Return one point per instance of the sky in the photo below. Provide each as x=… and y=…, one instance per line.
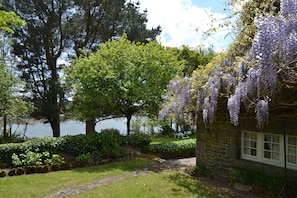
x=183, y=22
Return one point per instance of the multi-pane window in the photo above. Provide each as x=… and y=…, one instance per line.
x=269, y=148
x=272, y=147
x=292, y=150
x=250, y=144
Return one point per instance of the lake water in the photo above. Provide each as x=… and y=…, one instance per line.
x=71, y=127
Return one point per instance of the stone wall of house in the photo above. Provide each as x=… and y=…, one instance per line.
x=219, y=144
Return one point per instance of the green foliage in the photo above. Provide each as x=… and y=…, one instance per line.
x=194, y=58
x=166, y=130
x=173, y=147
x=108, y=144
x=139, y=140
x=121, y=79
x=85, y=157
x=30, y=158
x=81, y=144
x=9, y=20
x=111, y=145
x=42, y=144
x=114, y=131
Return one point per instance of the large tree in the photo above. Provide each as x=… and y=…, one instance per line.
x=64, y=26
x=97, y=22
x=39, y=44
x=122, y=78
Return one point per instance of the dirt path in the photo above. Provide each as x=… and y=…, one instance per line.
x=157, y=167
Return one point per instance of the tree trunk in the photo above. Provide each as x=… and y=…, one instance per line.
x=55, y=124
x=5, y=135
x=128, y=123
x=90, y=126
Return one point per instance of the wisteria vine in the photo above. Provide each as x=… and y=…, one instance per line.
x=269, y=65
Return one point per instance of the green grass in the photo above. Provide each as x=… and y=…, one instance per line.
x=156, y=185
x=40, y=185
x=158, y=140
x=171, y=183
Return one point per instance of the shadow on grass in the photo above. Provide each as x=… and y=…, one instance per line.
x=196, y=187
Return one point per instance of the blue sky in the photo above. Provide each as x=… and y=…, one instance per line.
x=183, y=22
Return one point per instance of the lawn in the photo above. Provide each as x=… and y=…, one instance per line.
x=155, y=185
x=40, y=185
x=171, y=183
x=158, y=140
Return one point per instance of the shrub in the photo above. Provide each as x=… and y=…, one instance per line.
x=114, y=131
x=81, y=144
x=111, y=145
x=50, y=145
x=30, y=158
x=173, y=147
x=85, y=157
x=139, y=140
x=166, y=130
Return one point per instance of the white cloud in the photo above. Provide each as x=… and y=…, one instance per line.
x=183, y=23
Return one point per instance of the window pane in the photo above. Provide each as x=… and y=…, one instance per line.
x=275, y=156
x=292, y=150
x=275, y=139
x=254, y=152
x=275, y=147
x=292, y=140
x=267, y=154
x=249, y=144
x=272, y=147
x=292, y=159
x=267, y=138
x=253, y=144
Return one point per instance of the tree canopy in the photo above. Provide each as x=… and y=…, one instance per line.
x=122, y=78
x=60, y=28
x=9, y=20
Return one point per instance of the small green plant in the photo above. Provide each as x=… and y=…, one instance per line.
x=85, y=157
x=30, y=158
x=57, y=159
x=16, y=160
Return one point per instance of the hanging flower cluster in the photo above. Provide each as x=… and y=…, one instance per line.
x=269, y=65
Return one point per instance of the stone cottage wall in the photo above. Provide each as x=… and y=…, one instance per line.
x=217, y=145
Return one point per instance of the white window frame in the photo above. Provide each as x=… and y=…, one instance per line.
x=293, y=165
x=260, y=149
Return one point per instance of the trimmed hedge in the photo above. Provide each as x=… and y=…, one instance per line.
x=107, y=144
x=175, y=148
x=42, y=144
